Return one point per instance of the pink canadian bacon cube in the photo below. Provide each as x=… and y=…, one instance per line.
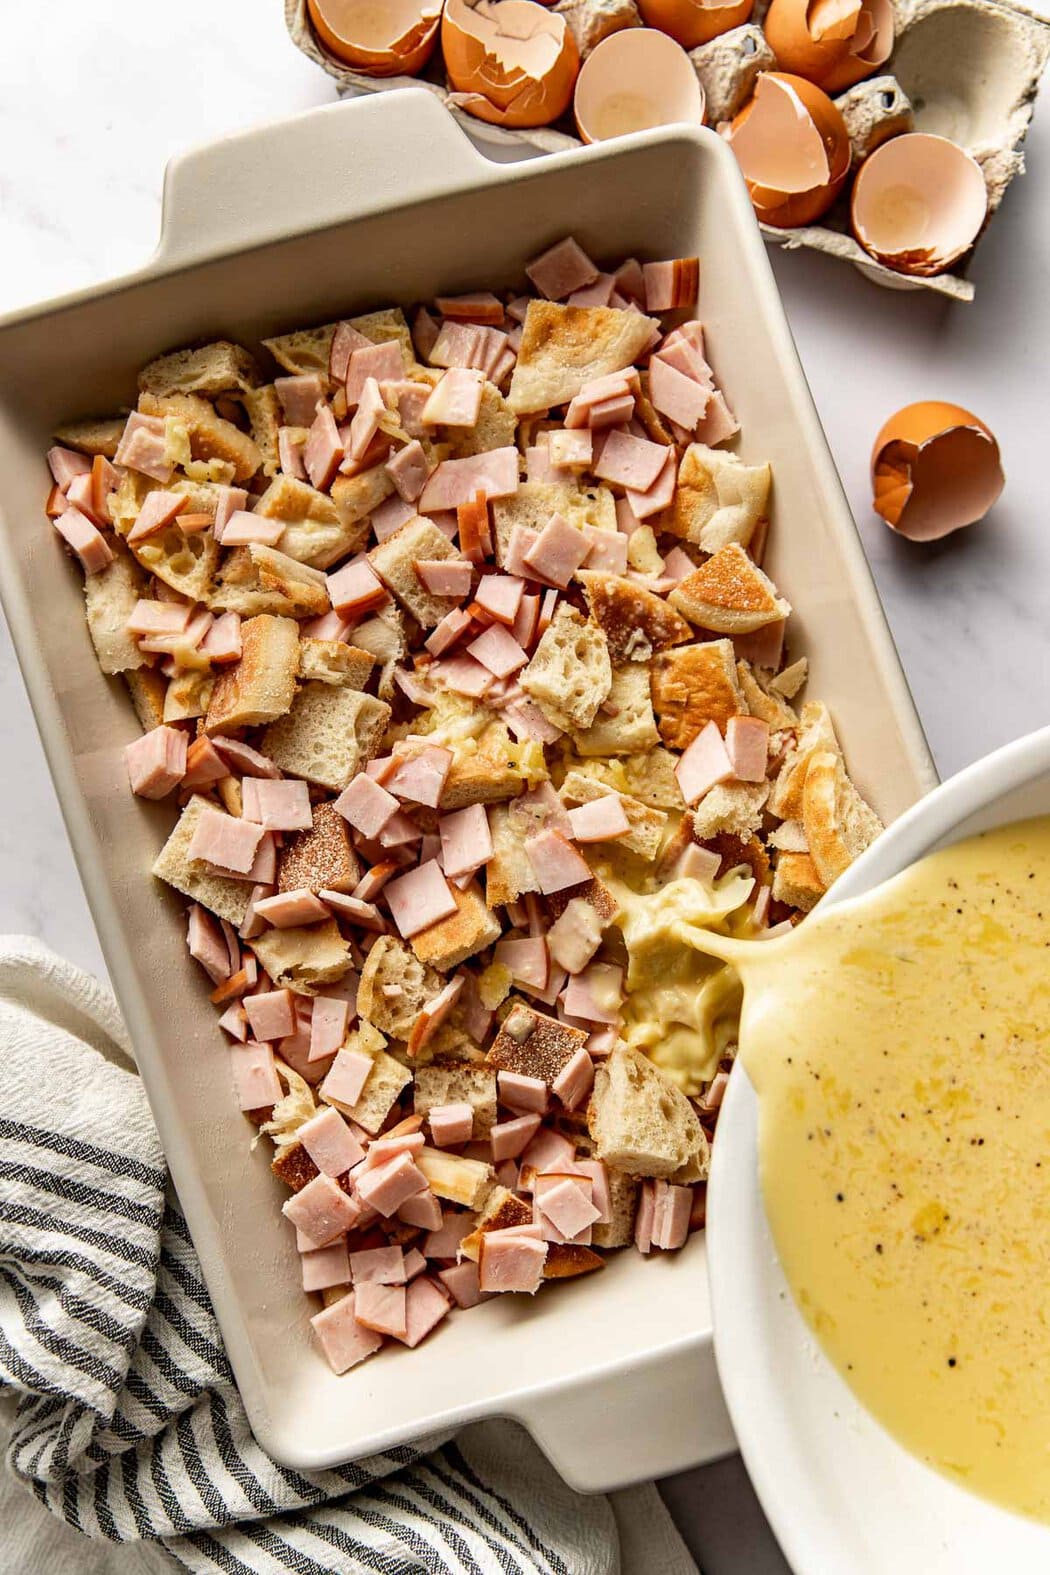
x=519, y=1092
x=423, y=1210
x=419, y=898
x=574, y=1082
x=156, y=762
x=327, y=1026
x=444, y=1242
x=426, y=1305
x=461, y=1282
x=698, y=863
x=568, y=1206
x=600, y=820
x=255, y=1076
x=500, y=595
x=557, y=552
x=510, y=1261
x=86, y=540
x=561, y=269
x=497, y=650
x=381, y=1307
x=703, y=764
x=676, y=395
x=747, y=745
x=289, y=909
x=356, y=589
x=387, y=1187
x=270, y=1014
x=466, y=840
x=415, y=1263
x=421, y=777
x=330, y=1143
x=347, y=1077
x=345, y=1342
x=511, y=1138
x=321, y=1209
x=671, y=1209
x=366, y=805
x=383, y=362
x=556, y=862
x=325, y=1266
x=225, y=840
x=378, y=1266
x=451, y=1125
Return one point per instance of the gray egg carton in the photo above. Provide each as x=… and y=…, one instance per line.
x=964, y=69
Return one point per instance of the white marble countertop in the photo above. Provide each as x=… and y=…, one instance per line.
x=92, y=104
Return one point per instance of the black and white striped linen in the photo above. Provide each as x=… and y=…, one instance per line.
x=125, y=1421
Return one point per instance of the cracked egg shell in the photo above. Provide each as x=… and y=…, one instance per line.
x=691, y=22
x=509, y=62
x=833, y=43
x=635, y=79
x=381, y=38
x=793, y=148
x=935, y=468
x=919, y=202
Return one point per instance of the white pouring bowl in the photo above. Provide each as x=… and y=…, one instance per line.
x=842, y=1496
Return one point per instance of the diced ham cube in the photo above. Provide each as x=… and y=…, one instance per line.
x=500, y=595
x=703, y=764
x=66, y=465
x=355, y=909
x=390, y=515
x=570, y=450
x=421, y=777
x=244, y=758
x=270, y=1014
x=480, y=306
x=574, y=1082
x=378, y=1266
x=444, y=576
x=747, y=745
x=669, y=285
x=243, y=528
x=597, y=294
x=527, y=959
x=631, y=462
x=660, y=494
x=255, y=1076
x=345, y=341
x=86, y=540
x=719, y=422
x=356, y=589
x=595, y=994
x=452, y=626
x=461, y=1282
x=698, y=863
x=671, y=1209
x=568, y=1206
x=456, y=400
x=600, y=1195
x=327, y=1026
x=420, y=898
x=143, y=447
x=509, y=1261
x=538, y=463
x=345, y=1342
x=321, y=1209
x=300, y=397
x=521, y=1093
x=526, y=720
x=408, y=470
x=366, y=805
x=159, y=508
x=561, y=269
x=444, y=1243
x=323, y=451
x=498, y=651
x=225, y=841
x=607, y=550
x=399, y=831
x=381, y=1307
x=330, y=1143
x=676, y=395
x=456, y=481
x=510, y=1138
x=601, y=820
x=451, y=1125
x=422, y=1210
x=207, y=946
x=643, y=1219
x=575, y=936
x=325, y=1267
x=289, y=909
x=222, y=643
x=383, y=362
x=557, y=552
x=388, y=1186
x=556, y=862
x=466, y=840
x=427, y=1304
x=283, y=806
x=347, y=1077
x=156, y=762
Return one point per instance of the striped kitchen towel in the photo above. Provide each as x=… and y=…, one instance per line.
x=120, y=1410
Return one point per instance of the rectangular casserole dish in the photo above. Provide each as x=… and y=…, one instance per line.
x=349, y=207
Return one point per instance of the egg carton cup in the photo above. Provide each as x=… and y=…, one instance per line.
x=968, y=70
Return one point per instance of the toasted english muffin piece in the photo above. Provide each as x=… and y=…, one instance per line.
x=258, y=579
x=570, y=674
x=817, y=734
x=729, y=594
x=693, y=685
x=797, y=882
x=328, y=735
x=789, y=837
x=304, y=958
x=304, y=350
x=469, y=930
x=188, y=696
x=395, y=987
x=634, y=621
x=563, y=347
x=535, y=502
x=625, y=723
x=99, y=436
x=214, y=368
x=321, y=857
x=356, y=496
x=647, y=825
x=649, y=777
x=493, y=772
x=767, y=705
x=265, y=418
x=454, y=1082
x=185, y=560
x=147, y=687
x=533, y=1044
x=718, y=499
x=334, y=662
x=314, y=530
x=837, y=822
x=259, y=687
x=734, y=808
x=623, y=1206
x=221, y=895
x=642, y=1123
x=501, y=1211
x=109, y=601
x=509, y=873
x=394, y=561
x=210, y=436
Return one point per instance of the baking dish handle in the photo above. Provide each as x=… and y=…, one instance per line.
x=309, y=172
x=648, y=1420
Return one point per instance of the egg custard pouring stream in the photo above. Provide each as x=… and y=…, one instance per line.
x=900, y=1048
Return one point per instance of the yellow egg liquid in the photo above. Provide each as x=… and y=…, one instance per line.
x=900, y=1047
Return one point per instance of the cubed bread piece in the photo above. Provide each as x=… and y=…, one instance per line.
x=719, y=499
x=394, y=987
x=641, y=1122
x=380, y=1094
x=729, y=594
x=188, y=696
x=564, y=347
x=767, y=705
x=817, y=735
x=469, y=930
x=356, y=496
x=304, y=350
x=304, y=958
x=259, y=579
x=147, y=688
x=648, y=777
x=570, y=673
x=265, y=415
x=509, y=873
x=566, y=1260
x=501, y=1211
x=837, y=822
x=790, y=679
x=457, y=1082
x=395, y=559
x=315, y=531
x=225, y=897
x=184, y=560
x=634, y=621
x=733, y=807
x=214, y=368
x=293, y=1165
x=211, y=437
x=110, y=598
x=388, y=323
x=259, y=687
x=495, y=770
x=99, y=436
x=536, y=502
x=456, y=1178
x=797, y=882
x=328, y=736
x=625, y=724
x=694, y=685
x=496, y=427
x=623, y=1205
x=320, y=858
x=334, y=662
x=647, y=825
x=533, y=1044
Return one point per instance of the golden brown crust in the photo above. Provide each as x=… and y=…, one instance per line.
x=567, y=1259
x=534, y=1045
x=563, y=347
x=261, y=686
x=634, y=621
x=210, y=436
x=729, y=594
x=451, y=941
x=294, y=1167
x=320, y=859
x=693, y=685
x=593, y=892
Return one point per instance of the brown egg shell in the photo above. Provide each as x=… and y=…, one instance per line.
x=918, y=203
x=690, y=23
x=803, y=205
x=487, y=68
x=414, y=26
x=935, y=468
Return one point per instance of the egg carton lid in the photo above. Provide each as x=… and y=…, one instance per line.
x=971, y=68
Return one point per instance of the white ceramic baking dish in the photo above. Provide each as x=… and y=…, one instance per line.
x=349, y=207
x=840, y=1492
